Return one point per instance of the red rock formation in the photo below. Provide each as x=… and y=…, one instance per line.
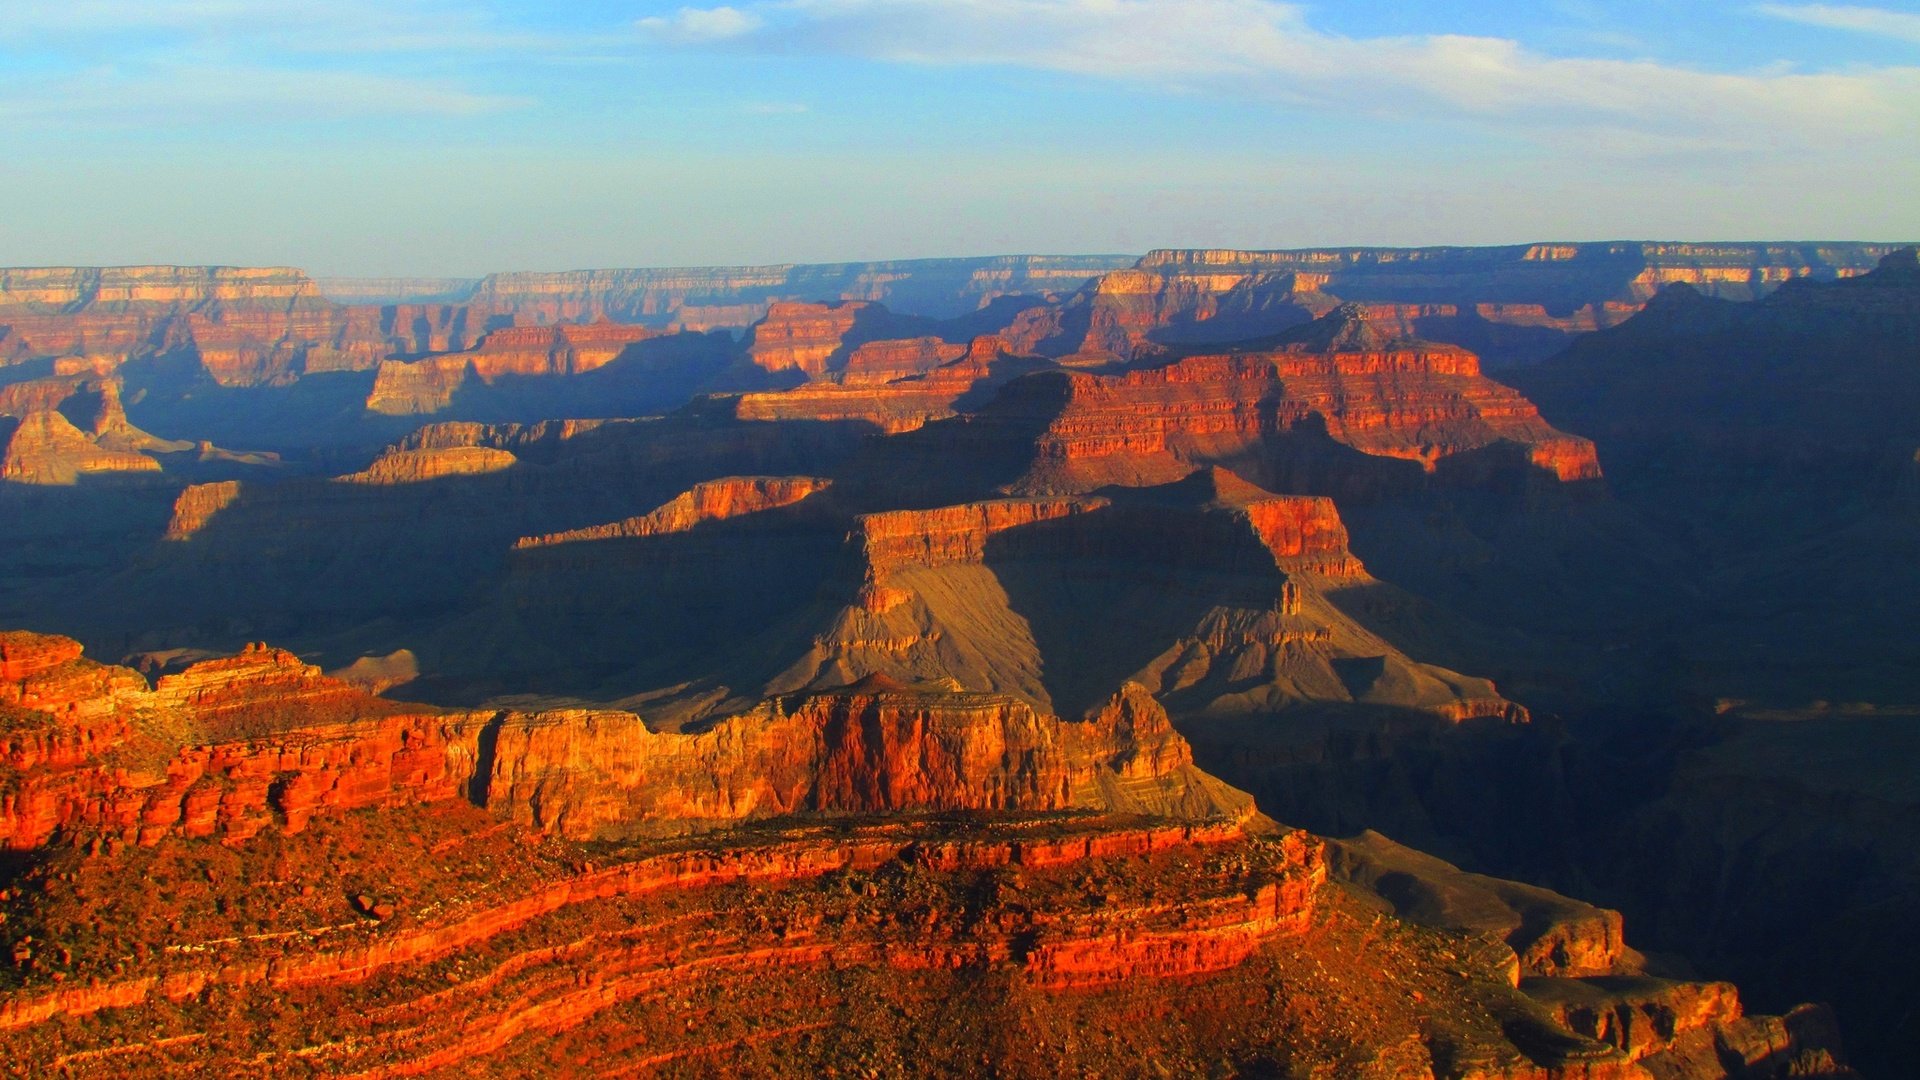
x=45, y=448
x=903, y=404
x=517, y=438
x=409, y=387
x=887, y=929
x=898, y=539
x=265, y=738
x=1220, y=295
x=441, y=925
x=715, y=500
x=806, y=337
x=876, y=363
x=197, y=504
x=1388, y=399
x=417, y=466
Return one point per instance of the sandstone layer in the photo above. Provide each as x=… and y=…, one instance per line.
x=339, y=885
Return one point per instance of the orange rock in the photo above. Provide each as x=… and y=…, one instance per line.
x=715, y=500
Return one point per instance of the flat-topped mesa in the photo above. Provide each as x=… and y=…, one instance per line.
x=898, y=539
x=521, y=439
x=411, y=387
x=566, y=349
x=875, y=363
x=68, y=289
x=47, y=674
x=418, y=466
x=714, y=500
x=24, y=655
x=1339, y=381
x=809, y=337
x=914, y=397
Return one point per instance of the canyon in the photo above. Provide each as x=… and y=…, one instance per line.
x=1212, y=657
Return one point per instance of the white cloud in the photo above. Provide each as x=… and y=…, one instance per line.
x=1866, y=20
x=118, y=63
x=1267, y=50
x=690, y=25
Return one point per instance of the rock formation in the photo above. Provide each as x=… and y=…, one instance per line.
x=1519, y=304
x=1341, y=407
x=43, y=447
x=429, y=385
x=715, y=500
x=243, y=743
x=406, y=880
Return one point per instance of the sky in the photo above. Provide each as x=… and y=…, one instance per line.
x=457, y=137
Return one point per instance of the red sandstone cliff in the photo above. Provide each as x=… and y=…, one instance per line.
x=246, y=742
x=1343, y=380
x=448, y=942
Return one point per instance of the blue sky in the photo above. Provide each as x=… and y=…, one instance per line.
x=431, y=137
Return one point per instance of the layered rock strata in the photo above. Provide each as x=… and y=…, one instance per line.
x=715, y=500
x=420, y=934
x=230, y=747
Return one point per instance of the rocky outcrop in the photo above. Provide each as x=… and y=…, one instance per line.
x=235, y=745
x=902, y=539
x=488, y=949
x=411, y=387
x=62, y=426
x=1551, y=936
x=1222, y=597
x=428, y=385
x=716, y=500
x=197, y=504
x=1521, y=302
x=877, y=363
x=906, y=403
x=519, y=439
x=806, y=337
x=1341, y=408
x=44, y=447
x=417, y=466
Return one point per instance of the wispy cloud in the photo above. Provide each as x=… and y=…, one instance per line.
x=1269, y=51
x=692, y=25
x=116, y=63
x=1898, y=25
